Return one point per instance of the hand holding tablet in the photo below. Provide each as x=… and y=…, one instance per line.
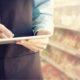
x=13, y=40
x=5, y=33
x=6, y=36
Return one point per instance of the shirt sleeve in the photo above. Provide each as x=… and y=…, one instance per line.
x=42, y=16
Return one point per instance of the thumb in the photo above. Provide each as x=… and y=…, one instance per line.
x=6, y=31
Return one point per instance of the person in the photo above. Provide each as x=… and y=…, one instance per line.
x=21, y=60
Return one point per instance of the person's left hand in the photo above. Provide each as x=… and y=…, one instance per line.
x=36, y=45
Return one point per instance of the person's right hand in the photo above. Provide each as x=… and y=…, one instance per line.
x=5, y=33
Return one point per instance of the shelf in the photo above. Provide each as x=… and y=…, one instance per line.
x=66, y=4
x=70, y=51
x=70, y=75
x=54, y=65
x=50, y=72
x=76, y=29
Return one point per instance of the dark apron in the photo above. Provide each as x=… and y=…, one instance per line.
x=18, y=62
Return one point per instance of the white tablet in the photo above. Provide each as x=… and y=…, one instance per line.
x=13, y=40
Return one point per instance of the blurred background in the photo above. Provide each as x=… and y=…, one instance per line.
x=61, y=59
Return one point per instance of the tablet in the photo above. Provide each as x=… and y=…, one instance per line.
x=13, y=40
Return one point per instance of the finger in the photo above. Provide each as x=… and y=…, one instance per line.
x=32, y=43
x=41, y=46
x=27, y=45
x=33, y=47
x=2, y=36
x=24, y=43
x=6, y=31
x=38, y=41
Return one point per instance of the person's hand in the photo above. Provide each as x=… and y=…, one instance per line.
x=4, y=32
x=36, y=45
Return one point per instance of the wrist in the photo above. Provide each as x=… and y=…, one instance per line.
x=41, y=32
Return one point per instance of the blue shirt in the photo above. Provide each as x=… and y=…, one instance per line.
x=42, y=16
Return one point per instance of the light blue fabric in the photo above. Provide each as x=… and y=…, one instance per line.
x=42, y=16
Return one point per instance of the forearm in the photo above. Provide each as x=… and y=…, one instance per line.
x=42, y=32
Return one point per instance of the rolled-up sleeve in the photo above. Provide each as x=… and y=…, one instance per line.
x=43, y=16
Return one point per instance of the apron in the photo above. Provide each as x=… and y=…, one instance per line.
x=16, y=61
